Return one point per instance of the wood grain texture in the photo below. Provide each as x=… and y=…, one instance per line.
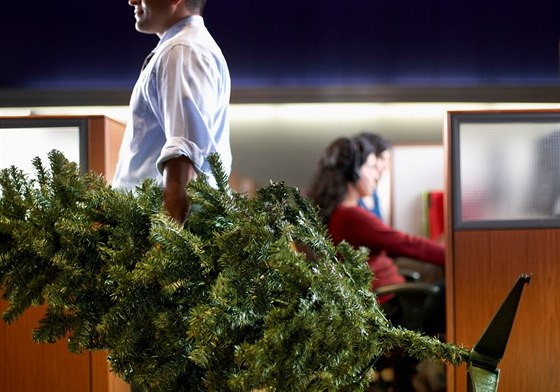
x=28, y=366
x=486, y=265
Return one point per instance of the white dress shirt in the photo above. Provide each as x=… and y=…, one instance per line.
x=179, y=107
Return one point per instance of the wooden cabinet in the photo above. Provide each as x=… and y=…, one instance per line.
x=486, y=265
x=25, y=365
x=486, y=255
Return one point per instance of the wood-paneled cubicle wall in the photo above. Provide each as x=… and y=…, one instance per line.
x=503, y=220
x=25, y=365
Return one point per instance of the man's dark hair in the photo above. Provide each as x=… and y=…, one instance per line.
x=379, y=143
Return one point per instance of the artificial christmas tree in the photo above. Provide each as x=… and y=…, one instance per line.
x=225, y=303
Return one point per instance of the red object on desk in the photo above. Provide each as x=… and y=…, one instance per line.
x=435, y=214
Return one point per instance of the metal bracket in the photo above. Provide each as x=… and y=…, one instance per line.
x=482, y=368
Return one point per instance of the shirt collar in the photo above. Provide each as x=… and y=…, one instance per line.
x=192, y=20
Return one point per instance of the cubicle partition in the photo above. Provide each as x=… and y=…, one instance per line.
x=503, y=220
x=93, y=142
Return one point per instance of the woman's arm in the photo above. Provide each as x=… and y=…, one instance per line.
x=368, y=230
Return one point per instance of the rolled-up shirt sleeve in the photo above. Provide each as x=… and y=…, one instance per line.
x=189, y=86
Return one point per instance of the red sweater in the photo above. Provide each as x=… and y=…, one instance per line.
x=362, y=228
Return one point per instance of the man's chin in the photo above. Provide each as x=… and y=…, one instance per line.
x=141, y=28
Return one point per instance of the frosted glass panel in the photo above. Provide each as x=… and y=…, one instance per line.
x=18, y=146
x=509, y=170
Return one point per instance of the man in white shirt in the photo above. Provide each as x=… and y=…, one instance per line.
x=179, y=108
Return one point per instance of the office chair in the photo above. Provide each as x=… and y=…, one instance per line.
x=413, y=307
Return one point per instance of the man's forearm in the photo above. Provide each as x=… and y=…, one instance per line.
x=177, y=172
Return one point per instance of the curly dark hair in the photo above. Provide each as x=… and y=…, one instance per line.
x=338, y=167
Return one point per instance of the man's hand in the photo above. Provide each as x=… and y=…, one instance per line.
x=177, y=172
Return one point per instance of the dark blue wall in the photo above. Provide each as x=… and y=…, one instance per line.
x=63, y=44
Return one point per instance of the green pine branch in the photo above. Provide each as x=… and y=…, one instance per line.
x=252, y=293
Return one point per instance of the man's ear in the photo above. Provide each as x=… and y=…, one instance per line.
x=181, y=7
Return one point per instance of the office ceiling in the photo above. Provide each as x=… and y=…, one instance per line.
x=71, y=45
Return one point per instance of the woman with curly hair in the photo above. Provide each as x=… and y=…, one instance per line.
x=347, y=171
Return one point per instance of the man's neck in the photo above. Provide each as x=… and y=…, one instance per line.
x=176, y=17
